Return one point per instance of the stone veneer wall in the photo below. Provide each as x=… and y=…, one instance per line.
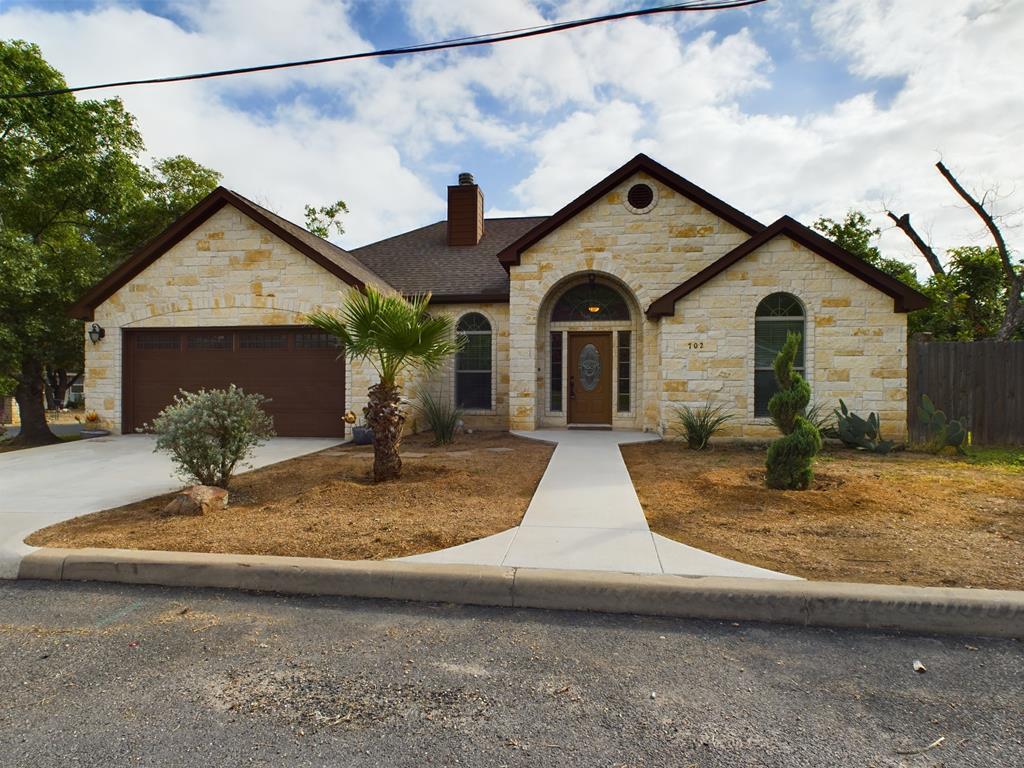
x=650, y=253
x=855, y=344
x=229, y=271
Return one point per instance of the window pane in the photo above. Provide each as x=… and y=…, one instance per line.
x=316, y=340
x=473, y=390
x=779, y=305
x=168, y=341
x=476, y=354
x=764, y=387
x=209, y=341
x=556, y=371
x=474, y=321
x=590, y=302
x=262, y=340
x=770, y=335
x=624, y=369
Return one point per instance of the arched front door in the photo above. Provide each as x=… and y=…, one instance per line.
x=590, y=377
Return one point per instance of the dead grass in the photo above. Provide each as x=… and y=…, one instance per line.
x=324, y=505
x=901, y=519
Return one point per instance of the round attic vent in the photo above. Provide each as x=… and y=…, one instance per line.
x=640, y=196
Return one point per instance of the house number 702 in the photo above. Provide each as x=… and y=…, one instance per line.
x=696, y=345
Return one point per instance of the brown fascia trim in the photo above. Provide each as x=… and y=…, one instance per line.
x=905, y=298
x=468, y=298
x=510, y=255
x=83, y=308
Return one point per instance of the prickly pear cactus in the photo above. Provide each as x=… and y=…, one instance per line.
x=942, y=432
x=857, y=432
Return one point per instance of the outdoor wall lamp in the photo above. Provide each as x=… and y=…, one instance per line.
x=96, y=333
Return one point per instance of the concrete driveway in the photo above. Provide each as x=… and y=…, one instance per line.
x=42, y=486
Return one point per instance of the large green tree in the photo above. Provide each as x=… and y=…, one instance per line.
x=74, y=201
x=968, y=290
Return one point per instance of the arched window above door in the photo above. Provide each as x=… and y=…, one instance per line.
x=592, y=302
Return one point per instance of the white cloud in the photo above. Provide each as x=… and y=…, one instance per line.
x=571, y=107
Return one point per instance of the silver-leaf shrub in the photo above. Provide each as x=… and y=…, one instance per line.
x=210, y=432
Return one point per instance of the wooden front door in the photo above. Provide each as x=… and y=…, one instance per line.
x=590, y=378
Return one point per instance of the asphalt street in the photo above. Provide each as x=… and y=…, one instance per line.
x=109, y=675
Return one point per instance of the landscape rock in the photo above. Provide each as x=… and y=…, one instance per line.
x=196, y=500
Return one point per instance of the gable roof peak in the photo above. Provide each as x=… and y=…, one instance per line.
x=326, y=254
x=905, y=298
x=510, y=256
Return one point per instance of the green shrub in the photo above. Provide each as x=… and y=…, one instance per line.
x=794, y=392
x=789, y=458
x=210, y=432
x=698, y=425
x=857, y=432
x=441, y=417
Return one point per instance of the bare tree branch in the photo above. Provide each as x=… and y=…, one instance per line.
x=903, y=222
x=979, y=209
x=1014, y=317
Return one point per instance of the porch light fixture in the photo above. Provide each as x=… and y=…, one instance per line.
x=593, y=307
x=96, y=333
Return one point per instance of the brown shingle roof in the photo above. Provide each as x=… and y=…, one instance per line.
x=421, y=260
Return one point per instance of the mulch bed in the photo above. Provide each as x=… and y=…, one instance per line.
x=906, y=518
x=325, y=505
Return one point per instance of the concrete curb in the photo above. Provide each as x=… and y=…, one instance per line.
x=941, y=610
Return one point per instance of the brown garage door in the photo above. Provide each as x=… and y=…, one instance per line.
x=297, y=368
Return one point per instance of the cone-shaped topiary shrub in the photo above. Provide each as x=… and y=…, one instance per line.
x=789, y=457
x=794, y=392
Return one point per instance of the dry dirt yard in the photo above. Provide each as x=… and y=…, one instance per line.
x=324, y=505
x=906, y=518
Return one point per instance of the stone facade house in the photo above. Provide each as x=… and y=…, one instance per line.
x=643, y=294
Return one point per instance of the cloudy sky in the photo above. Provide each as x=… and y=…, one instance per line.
x=806, y=107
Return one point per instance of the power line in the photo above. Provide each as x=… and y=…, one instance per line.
x=441, y=45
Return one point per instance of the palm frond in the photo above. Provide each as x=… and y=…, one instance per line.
x=391, y=331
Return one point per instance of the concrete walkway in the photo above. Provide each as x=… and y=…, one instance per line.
x=42, y=486
x=585, y=515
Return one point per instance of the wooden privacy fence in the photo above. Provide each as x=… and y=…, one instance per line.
x=980, y=382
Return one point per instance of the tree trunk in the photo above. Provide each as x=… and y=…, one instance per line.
x=903, y=222
x=385, y=418
x=50, y=389
x=1014, y=317
x=64, y=384
x=29, y=394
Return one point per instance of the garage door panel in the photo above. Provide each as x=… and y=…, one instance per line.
x=298, y=370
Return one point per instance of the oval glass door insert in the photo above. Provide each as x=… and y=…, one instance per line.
x=590, y=367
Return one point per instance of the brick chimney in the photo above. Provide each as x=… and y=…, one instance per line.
x=465, y=212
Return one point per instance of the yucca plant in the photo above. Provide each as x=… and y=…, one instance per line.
x=823, y=418
x=394, y=334
x=441, y=417
x=698, y=425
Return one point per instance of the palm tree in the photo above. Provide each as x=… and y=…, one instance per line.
x=393, y=334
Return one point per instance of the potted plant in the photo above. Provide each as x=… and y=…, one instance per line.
x=92, y=425
x=361, y=435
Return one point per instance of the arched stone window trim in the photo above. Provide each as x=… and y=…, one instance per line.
x=474, y=364
x=776, y=315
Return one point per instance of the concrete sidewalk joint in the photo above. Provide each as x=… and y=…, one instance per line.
x=940, y=610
